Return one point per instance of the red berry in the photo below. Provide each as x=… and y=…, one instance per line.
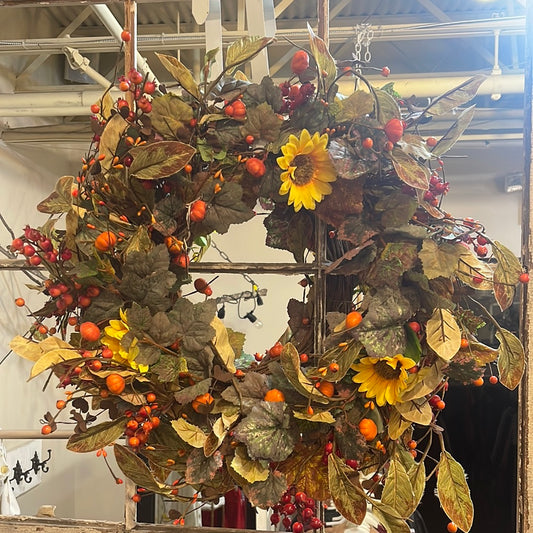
x=95, y=108
x=308, y=513
x=385, y=72
x=300, y=497
x=477, y=280
x=368, y=143
x=125, y=36
x=524, y=277
x=481, y=251
x=249, y=139
x=415, y=326
x=431, y=141
x=297, y=527
x=299, y=64
x=352, y=463
x=440, y=405
x=493, y=380
x=304, y=358
x=274, y=518
x=286, y=522
x=394, y=130
x=289, y=508
x=315, y=523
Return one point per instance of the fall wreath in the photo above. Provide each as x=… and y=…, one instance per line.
x=300, y=423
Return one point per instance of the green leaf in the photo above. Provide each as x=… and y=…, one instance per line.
x=358, y=104
x=60, y=201
x=455, y=97
x=396, y=208
x=188, y=394
x=236, y=340
x=98, y=436
x=454, y=132
x=287, y=230
x=244, y=50
x=114, y=130
x=166, y=213
x=170, y=116
x=262, y=123
x=140, y=241
x=266, y=431
x=247, y=468
x=409, y=171
x=511, y=363
x=323, y=58
x=226, y=208
x=169, y=367
x=344, y=356
x=181, y=74
x=136, y=470
x=506, y=275
x=387, y=107
x=201, y=468
x=191, y=434
x=453, y=492
x=443, y=334
x=398, y=492
x=265, y=494
x=346, y=491
x=193, y=322
x=252, y=389
x=388, y=518
x=290, y=363
x=160, y=159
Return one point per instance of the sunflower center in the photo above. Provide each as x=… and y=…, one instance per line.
x=304, y=169
x=384, y=370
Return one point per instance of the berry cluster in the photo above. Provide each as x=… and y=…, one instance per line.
x=142, y=422
x=36, y=248
x=437, y=186
x=298, y=511
x=295, y=95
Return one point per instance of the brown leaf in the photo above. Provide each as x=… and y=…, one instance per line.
x=324, y=60
x=180, y=73
x=409, y=171
x=305, y=469
x=114, y=129
x=160, y=159
x=506, y=275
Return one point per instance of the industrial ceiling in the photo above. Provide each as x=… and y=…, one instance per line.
x=428, y=45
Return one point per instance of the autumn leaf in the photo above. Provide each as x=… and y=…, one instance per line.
x=397, y=424
x=33, y=351
x=170, y=116
x=398, y=492
x=506, y=274
x=306, y=470
x=160, y=159
x=222, y=344
x=325, y=62
x=97, y=437
x=443, y=334
x=51, y=359
x=417, y=411
x=346, y=491
x=109, y=140
x=511, y=362
x=244, y=50
x=180, y=73
x=358, y=104
x=440, y=259
x=191, y=434
x=417, y=475
x=262, y=123
x=453, y=492
x=247, y=468
x=409, y=171
x=60, y=201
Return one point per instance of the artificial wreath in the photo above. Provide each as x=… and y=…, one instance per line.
x=300, y=424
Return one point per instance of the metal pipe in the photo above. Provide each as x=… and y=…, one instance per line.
x=74, y=103
x=182, y=41
x=115, y=29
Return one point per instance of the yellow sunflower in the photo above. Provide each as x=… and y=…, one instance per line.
x=114, y=333
x=308, y=170
x=383, y=378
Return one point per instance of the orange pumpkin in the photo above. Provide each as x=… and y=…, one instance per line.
x=115, y=383
x=202, y=403
x=105, y=241
x=368, y=429
x=274, y=395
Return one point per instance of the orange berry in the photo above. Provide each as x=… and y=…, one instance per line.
x=188, y=168
x=368, y=429
x=412, y=444
x=493, y=380
x=464, y=343
x=60, y=404
x=333, y=367
x=89, y=331
x=327, y=388
x=353, y=319
x=202, y=403
x=274, y=395
x=134, y=442
x=20, y=302
x=478, y=382
x=150, y=397
x=46, y=429
x=451, y=527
